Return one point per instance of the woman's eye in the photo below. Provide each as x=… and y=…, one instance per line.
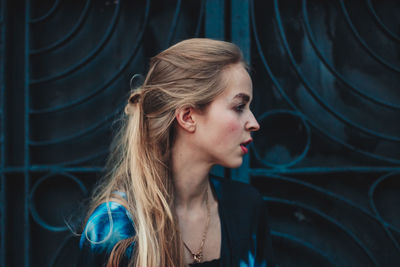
x=240, y=108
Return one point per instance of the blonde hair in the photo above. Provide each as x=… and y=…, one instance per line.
x=186, y=74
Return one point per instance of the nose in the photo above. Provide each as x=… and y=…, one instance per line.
x=252, y=124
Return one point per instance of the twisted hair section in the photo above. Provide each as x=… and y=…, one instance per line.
x=186, y=74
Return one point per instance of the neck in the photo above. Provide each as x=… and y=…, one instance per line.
x=190, y=176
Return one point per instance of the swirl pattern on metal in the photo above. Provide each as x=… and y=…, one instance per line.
x=325, y=77
x=331, y=177
x=79, y=60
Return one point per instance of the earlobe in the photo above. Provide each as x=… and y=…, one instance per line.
x=185, y=118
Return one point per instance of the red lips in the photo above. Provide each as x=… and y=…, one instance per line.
x=243, y=146
x=244, y=149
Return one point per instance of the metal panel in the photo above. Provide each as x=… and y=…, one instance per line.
x=327, y=155
x=325, y=78
x=240, y=33
x=27, y=160
x=79, y=57
x=2, y=177
x=214, y=25
x=215, y=19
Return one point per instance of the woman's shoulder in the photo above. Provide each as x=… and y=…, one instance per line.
x=109, y=223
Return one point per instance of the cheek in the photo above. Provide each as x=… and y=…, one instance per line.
x=233, y=126
x=230, y=129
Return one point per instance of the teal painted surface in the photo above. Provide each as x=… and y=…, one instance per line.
x=325, y=79
x=214, y=23
x=326, y=157
x=240, y=35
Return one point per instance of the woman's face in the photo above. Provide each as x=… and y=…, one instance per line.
x=224, y=129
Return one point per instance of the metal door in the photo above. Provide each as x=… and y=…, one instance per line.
x=325, y=77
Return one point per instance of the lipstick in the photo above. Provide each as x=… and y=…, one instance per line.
x=244, y=149
x=243, y=146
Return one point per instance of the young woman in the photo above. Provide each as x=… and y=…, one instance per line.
x=159, y=206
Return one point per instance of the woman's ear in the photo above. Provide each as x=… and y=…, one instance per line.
x=186, y=118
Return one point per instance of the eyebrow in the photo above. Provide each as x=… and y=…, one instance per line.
x=242, y=96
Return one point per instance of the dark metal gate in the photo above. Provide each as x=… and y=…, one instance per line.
x=325, y=77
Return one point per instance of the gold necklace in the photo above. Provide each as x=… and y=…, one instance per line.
x=199, y=254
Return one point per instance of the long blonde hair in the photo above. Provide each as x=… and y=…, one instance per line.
x=186, y=74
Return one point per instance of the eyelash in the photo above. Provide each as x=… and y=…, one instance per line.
x=240, y=108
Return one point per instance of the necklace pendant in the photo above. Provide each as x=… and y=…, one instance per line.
x=197, y=257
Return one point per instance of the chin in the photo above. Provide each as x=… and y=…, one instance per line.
x=233, y=164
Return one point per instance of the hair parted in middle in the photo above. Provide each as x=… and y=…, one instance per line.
x=188, y=74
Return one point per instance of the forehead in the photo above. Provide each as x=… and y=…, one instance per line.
x=238, y=81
